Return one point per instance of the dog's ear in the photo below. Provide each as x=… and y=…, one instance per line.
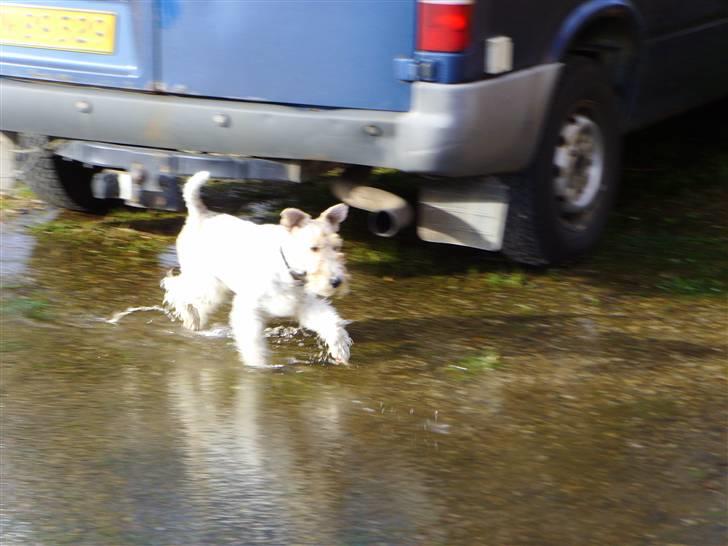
x=335, y=215
x=291, y=218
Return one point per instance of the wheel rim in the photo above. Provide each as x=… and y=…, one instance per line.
x=578, y=168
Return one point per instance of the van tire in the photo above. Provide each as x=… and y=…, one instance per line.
x=57, y=181
x=558, y=206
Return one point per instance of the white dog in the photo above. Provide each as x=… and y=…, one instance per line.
x=284, y=270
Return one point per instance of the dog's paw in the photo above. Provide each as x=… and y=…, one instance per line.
x=187, y=314
x=340, y=349
x=255, y=361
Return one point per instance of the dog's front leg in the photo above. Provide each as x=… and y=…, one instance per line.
x=248, y=325
x=320, y=316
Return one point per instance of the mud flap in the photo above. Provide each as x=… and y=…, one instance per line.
x=466, y=213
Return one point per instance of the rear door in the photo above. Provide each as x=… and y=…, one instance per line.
x=329, y=53
x=325, y=53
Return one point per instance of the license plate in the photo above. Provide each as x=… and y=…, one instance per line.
x=53, y=28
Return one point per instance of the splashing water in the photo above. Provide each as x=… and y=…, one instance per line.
x=277, y=335
x=121, y=314
x=282, y=334
x=217, y=332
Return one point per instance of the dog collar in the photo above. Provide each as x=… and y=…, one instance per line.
x=297, y=275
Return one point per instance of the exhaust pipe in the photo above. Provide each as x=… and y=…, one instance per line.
x=389, y=213
x=387, y=223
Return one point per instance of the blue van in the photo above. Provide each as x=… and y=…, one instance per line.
x=514, y=108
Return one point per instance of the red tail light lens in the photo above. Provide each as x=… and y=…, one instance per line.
x=444, y=25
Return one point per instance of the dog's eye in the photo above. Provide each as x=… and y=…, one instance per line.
x=315, y=249
x=337, y=248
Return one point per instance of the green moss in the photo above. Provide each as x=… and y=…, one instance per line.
x=131, y=216
x=692, y=286
x=110, y=235
x=29, y=307
x=508, y=280
x=12, y=346
x=360, y=254
x=485, y=361
x=24, y=192
x=20, y=198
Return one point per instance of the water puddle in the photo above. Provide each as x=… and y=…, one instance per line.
x=484, y=404
x=18, y=244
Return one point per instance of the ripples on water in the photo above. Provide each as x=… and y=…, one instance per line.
x=276, y=335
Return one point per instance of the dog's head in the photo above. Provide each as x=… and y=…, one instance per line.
x=314, y=249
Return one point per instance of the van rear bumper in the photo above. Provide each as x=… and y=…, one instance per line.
x=483, y=127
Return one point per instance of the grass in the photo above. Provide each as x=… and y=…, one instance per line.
x=29, y=307
x=487, y=360
x=360, y=254
x=691, y=286
x=113, y=234
x=24, y=192
x=395, y=257
x=669, y=230
x=12, y=346
x=668, y=261
x=6, y=202
x=20, y=197
x=515, y=279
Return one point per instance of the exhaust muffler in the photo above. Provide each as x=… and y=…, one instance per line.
x=389, y=213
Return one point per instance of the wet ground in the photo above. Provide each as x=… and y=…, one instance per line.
x=485, y=403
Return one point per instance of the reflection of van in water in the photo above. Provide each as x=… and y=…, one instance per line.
x=536, y=93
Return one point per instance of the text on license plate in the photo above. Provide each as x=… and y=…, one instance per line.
x=53, y=28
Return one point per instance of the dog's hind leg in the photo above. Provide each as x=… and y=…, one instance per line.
x=192, y=299
x=177, y=299
x=248, y=325
x=208, y=297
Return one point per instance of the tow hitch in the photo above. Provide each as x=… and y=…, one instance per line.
x=136, y=189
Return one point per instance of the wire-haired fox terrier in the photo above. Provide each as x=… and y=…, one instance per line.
x=285, y=270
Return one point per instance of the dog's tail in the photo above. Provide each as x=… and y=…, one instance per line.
x=191, y=194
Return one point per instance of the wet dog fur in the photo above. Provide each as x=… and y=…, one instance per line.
x=285, y=270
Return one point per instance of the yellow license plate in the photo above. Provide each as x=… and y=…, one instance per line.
x=53, y=28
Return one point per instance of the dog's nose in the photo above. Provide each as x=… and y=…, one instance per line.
x=335, y=281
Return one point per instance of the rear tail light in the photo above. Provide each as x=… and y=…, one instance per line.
x=444, y=25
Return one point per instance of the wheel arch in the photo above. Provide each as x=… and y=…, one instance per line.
x=610, y=31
